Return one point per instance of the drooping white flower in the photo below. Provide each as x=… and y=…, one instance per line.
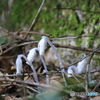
x=71, y=70
x=18, y=65
x=82, y=65
x=31, y=55
x=42, y=45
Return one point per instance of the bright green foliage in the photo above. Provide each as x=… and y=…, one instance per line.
x=53, y=20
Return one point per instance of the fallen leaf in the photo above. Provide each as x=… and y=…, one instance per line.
x=56, y=83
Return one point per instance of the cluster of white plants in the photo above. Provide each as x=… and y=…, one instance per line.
x=42, y=45
x=40, y=49
x=80, y=68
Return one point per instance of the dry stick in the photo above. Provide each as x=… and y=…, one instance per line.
x=36, y=33
x=35, y=18
x=41, y=74
x=79, y=36
x=15, y=45
x=75, y=48
x=35, y=84
x=72, y=37
x=14, y=34
x=5, y=85
x=28, y=87
x=63, y=46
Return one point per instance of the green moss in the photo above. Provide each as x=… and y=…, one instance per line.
x=56, y=22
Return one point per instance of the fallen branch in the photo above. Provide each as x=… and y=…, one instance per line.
x=76, y=48
x=67, y=89
x=33, y=84
x=14, y=34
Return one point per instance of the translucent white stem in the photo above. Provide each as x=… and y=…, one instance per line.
x=59, y=59
x=55, y=51
x=32, y=67
x=45, y=67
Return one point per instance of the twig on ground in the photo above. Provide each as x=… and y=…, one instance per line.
x=15, y=45
x=33, y=84
x=28, y=87
x=5, y=85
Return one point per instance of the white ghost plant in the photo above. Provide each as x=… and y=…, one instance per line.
x=46, y=40
x=31, y=55
x=18, y=65
x=71, y=70
x=42, y=45
x=82, y=65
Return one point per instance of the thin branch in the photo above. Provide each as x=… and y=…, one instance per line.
x=78, y=9
x=36, y=33
x=34, y=84
x=78, y=36
x=28, y=87
x=14, y=34
x=75, y=48
x=96, y=86
x=78, y=80
x=35, y=18
x=8, y=49
x=5, y=85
